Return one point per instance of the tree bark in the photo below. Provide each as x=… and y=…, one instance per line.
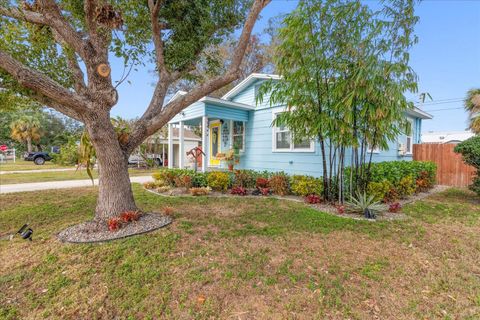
x=29, y=144
x=115, y=192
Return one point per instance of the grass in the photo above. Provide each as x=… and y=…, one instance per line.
x=243, y=259
x=14, y=178
x=28, y=165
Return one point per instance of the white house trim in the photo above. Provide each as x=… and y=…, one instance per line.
x=292, y=149
x=248, y=81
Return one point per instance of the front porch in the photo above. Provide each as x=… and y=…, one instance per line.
x=222, y=125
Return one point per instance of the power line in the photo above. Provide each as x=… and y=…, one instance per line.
x=444, y=109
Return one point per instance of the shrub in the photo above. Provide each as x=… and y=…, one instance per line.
x=312, y=199
x=200, y=191
x=218, y=180
x=149, y=185
x=261, y=182
x=241, y=191
x=264, y=191
x=199, y=179
x=470, y=151
x=129, y=216
x=279, y=184
x=379, y=190
x=423, y=182
x=394, y=171
x=68, y=155
x=163, y=189
x=244, y=178
x=114, y=224
x=406, y=187
x=154, y=184
x=305, y=185
x=184, y=181
x=170, y=176
x=340, y=209
x=391, y=196
x=394, y=207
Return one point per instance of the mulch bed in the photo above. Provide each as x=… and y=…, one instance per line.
x=92, y=231
x=323, y=207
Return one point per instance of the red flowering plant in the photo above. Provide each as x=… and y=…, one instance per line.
x=312, y=199
x=262, y=182
x=340, y=209
x=264, y=191
x=129, y=216
x=114, y=224
x=394, y=207
x=241, y=191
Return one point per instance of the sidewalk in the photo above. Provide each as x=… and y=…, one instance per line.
x=36, y=186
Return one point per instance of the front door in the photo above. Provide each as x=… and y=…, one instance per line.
x=215, y=129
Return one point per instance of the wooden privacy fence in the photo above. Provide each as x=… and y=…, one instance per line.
x=451, y=170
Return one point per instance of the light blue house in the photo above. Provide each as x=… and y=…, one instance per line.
x=236, y=118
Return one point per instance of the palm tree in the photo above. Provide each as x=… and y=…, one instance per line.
x=26, y=129
x=472, y=105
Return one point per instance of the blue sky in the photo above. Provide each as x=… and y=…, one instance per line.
x=446, y=59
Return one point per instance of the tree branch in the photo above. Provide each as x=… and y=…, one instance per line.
x=56, y=20
x=154, y=7
x=151, y=121
x=41, y=83
x=23, y=15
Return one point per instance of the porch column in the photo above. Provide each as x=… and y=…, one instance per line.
x=170, y=145
x=231, y=134
x=181, y=147
x=204, y=143
x=163, y=155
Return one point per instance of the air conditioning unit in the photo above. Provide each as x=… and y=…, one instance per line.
x=402, y=149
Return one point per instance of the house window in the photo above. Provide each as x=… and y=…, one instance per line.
x=238, y=134
x=283, y=141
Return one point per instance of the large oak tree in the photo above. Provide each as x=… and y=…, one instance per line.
x=58, y=52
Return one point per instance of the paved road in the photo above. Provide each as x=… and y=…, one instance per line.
x=37, y=170
x=35, y=186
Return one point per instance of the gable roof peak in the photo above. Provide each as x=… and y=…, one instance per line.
x=248, y=81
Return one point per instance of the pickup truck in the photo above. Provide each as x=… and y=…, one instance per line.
x=38, y=158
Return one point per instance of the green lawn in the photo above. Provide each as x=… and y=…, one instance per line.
x=28, y=165
x=242, y=259
x=13, y=178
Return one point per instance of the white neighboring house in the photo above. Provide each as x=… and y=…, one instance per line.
x=446, y=136
x=191, y=140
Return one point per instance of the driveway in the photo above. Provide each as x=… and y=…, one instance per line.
x=36, y=186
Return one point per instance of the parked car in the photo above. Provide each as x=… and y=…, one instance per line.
x=136, y=159
x=38, y=158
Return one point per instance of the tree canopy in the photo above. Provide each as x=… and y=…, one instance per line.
x=344, y=71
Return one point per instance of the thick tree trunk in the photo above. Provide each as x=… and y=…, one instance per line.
x=115, y=192
x=29, y=144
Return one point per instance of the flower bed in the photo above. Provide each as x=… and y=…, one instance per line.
x=391, y=182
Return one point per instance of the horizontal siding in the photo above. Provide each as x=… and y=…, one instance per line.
x=247, y=96
x=259, y=155
x=213, y=111
x=195, y=110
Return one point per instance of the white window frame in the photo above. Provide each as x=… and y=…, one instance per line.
x=409, y=146
x=275, y=130
x=232, y=134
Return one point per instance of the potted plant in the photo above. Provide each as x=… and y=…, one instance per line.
x=231, y=157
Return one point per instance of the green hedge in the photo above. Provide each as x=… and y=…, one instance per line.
x=389, y=180
x=394, y=171
x=470, y=151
